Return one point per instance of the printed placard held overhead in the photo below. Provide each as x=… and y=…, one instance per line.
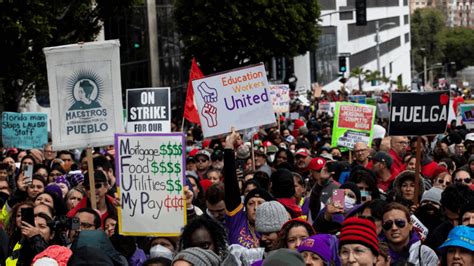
x=148, y=110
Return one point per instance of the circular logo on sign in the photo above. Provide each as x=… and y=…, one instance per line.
x=85, y=89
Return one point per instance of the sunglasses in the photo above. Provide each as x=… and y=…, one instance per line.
x=202, y=160
x=465, y=180
x=443, y=182
x=398, y=222
x=97, y=186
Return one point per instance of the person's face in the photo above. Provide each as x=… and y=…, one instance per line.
x=459, y=256
x=181, y=263
x=364, y=191
x=86, y=221
x=411, y=164
x=251, y=208
x=214, y=177
x=452, y=217
x=195, y=187
x=463, y=177
x=325, y=174
x=67, y=161
x=336, y=153
x=4, y=187
x=81, y=95
x=27, y=161
x=299, y=188
x=312, y=259
x=74, y=198
x=41, y=208
x=468, y=218
x=49, y=154
x=442, y=181
x=202, y=163
x=459, y=149
x=270, y=240
x=100, y=190
x=110, y=226
x=316, y=175
x=164, y=242
x=361, y=152
x=3, y=174
x=295, y=236
x=45, y=231
x=301, y=162
x=249, y=188
x=377, y=167
x=11, y=162
x=53, y=174
x=286, y=133
x=35, y=188
x=259, y=161
x=42, y=172
x=378, y=222
x=281, y=157
x=218, y=164
x=217, y=210
x=356, y=254
x=64, y=188
x=408, y=190
x=202, y=238
x=399, y=144
x=20, y=156
x=45, y=199
x=399, y=231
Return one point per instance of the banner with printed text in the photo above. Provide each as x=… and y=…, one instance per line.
x=150, y=177
x=24, y=130
x=85, y=94
x=239, y=98
x=466, y=112
x=353, y=123
x=280, y=98
x=148, y=110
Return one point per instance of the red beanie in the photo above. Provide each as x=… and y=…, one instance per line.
x=362, y=231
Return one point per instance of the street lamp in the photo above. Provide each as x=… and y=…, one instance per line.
x=377, y=39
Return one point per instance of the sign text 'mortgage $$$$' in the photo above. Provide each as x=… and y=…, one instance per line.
x=417, y=114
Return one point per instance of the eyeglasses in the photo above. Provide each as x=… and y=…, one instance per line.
x=403, y=143
x=465, y=180
x=443, y=182
x=359, y=151
x=356, y=252
x=97, y=186
x=398, y=222
x=202, y=160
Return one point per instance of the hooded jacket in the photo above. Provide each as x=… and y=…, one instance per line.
x=396, y=192
x=414, y=252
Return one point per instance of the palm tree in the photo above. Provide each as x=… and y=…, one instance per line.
x=359, y=73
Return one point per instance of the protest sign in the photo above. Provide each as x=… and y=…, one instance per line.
x=24, y=130
x=150, y=178
x=85, y=93
x=357, y=98
x=382, y=111
x=466, y=111
x=353, y=123
x=280, y=98
x=371, y=101
x=239, y=98
x=148, y=110
x=325, y=107
x=419, y=113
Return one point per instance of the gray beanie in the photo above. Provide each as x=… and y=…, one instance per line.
x=198, y=257
x=434, y=195
x=270, y=217
x=283, y=256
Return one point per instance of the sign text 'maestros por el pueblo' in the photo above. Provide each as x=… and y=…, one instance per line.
x=85, y=93
x=418, y=114
x=239, y=98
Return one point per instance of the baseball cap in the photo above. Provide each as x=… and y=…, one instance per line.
x=469, y=137
x=383, y=157
x=303, y=152
x=460, y=236
x=203, y=153
x=317, y=164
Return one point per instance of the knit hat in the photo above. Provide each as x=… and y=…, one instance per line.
x=75, y=178
x=257, y=193
x=319, y=244
x=283, y=256
x=354, y=188
x=53, y=254
x=159, y=251
x=198, y=257
x=243, y=152
x=379, y=132
x=434, y=195
x=282, y=184
x=270, y=216
x=317, y=164
x=62, y=179
x=54, y=189
x=362, y=231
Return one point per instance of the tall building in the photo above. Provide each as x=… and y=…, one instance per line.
x=463, y=13
x=341, y=35
x=415, y=4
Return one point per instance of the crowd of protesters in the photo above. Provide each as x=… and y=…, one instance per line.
x=273, y=206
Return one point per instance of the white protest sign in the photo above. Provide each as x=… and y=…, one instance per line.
x=150, y=177
x=238, y=98
x=85, y=94
x=148, y=110
x=280, y=97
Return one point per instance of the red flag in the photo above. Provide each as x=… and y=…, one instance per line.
x=190, y=108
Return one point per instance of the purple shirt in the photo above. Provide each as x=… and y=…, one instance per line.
x=238, y=229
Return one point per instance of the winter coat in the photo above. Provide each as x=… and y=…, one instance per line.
x=417, y=254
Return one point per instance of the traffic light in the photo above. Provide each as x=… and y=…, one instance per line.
x=361, y=12
x=342, y=64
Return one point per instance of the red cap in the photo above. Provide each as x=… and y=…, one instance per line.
x=267, y=144
x=303, y=151
x=205, y=143
x=193, y=152
x=317, y=164
x=205, y=184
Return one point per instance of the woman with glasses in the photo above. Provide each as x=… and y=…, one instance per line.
x=404, y=243
x=442, y=178
x=358, y=242
x=461, y=175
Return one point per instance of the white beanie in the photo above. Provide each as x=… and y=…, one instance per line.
x=270, y=217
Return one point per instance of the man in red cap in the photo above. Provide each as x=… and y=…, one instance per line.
x=302, y=160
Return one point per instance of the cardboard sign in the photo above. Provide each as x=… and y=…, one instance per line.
x=86, y=94
x=357, y=98
x=280, y=98
x=148, y=110
x=317, y=90
x=238, y=99
x=150, y=178
x=418, y=114
x=352, y=123
x=24, y=130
